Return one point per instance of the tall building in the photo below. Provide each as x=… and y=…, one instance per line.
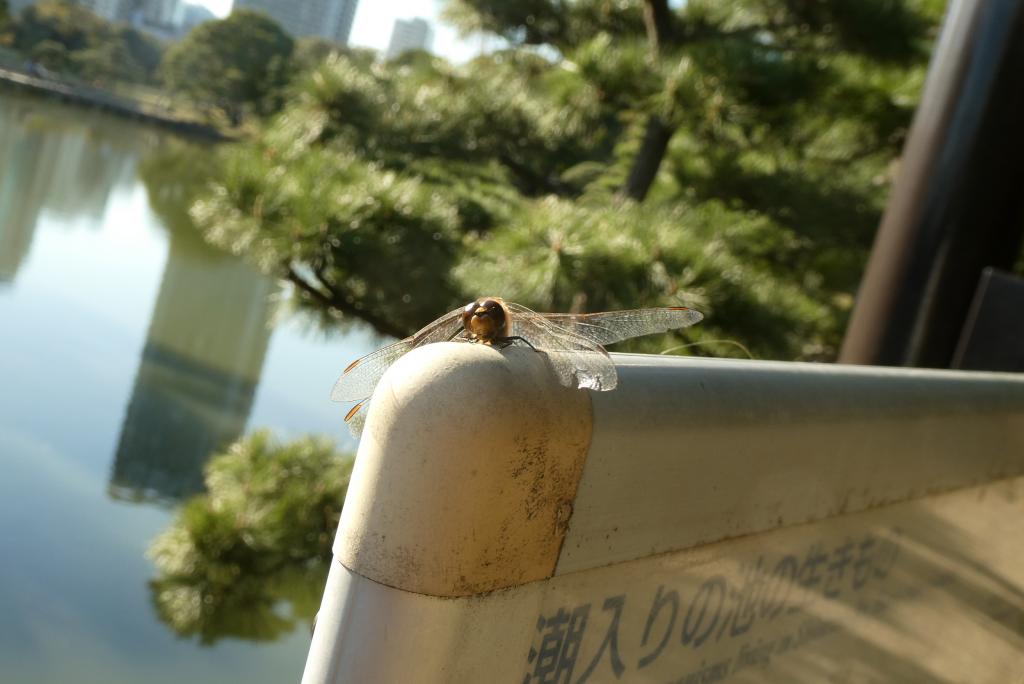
x=166, y=13
x=409, y=34
x=328, y=19
x=107, y=9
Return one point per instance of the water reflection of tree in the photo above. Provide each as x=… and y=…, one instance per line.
x=173, y=173
x=249, y=559
x=250, y=608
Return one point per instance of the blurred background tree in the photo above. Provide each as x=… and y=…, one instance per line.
x=5, y=21
x=239, y=63
x=311, y=51
x=69, y=38
x=616, y=154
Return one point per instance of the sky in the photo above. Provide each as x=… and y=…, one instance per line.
x=375, y=19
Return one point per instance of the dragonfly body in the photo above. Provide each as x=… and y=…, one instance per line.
x=574, y=343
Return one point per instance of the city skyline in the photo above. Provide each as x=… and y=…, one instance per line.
x=371, y=25
x=374, y=22
x=328, y=19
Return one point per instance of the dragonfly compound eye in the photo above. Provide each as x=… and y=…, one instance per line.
x=484, y=319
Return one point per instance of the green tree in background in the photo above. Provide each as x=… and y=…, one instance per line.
x=66, y=37
x=5, y=20
x=617, y=154
x=140, y=50
x=764, y=56
x=311, y=51
x=785, y=107
x=235, y=64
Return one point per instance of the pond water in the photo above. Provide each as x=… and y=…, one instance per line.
x=129, y=351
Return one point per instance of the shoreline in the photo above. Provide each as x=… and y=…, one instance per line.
x=108, y=102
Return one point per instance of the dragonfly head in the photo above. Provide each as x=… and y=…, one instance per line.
x=486, y=319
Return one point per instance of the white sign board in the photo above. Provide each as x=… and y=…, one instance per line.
x=704, y=522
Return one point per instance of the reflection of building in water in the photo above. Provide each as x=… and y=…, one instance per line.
x=20, y=200
x=198, y=373
x=46, y=166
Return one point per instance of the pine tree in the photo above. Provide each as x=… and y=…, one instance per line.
x=734, y=157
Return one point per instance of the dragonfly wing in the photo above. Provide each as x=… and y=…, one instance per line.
x=444, y=328
x=359, y=379
x=584, y=368
x=614, y=326
x=356, y=418
x=578, y=361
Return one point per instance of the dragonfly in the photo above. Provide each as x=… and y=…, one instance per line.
x=573, y=343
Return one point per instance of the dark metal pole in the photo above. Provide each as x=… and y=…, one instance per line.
x=958, y=202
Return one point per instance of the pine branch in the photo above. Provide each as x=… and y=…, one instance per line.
x=340, y=304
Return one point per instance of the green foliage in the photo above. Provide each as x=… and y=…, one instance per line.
x=175, y=172
x=420, y=111
x=778, y=122
x=552, y=22
x=70, y=25
x=360, y=192
x=559, y=255
x=259, y=538
x=235, y=63
x=139, y=49
x=5, y=19
x=68, y=38
x=345, y=233
x=51, y=54
x=310, y=52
